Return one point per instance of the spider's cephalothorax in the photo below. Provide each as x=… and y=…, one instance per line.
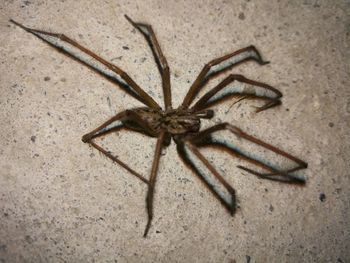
x=183, y=124
x=175, y=122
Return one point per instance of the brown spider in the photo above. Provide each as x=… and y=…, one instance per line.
x=183, y=124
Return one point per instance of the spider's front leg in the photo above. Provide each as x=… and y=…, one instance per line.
x=251, y=90
x=219, y=65
x=210, y=138
x=217, y=184
x=188, y=149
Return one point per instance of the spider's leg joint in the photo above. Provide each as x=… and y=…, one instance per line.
x=234, y=129
x=86, y=138
x=268, y=105
x=237, y=76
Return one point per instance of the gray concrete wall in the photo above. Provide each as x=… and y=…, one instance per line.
x=61, y=201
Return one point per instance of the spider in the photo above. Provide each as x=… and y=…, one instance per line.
x=183, y=123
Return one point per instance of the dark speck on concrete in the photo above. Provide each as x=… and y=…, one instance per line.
x=247, y=258
x=241, y=16
x=47, y=78
x=29, y=239
x=33, y=138
x=125, y=47
x=331, y=124
x=322, y=197
x=109, y=102
x=271, y=208
x=3, y=247
x=157, y=231
x=117, y=58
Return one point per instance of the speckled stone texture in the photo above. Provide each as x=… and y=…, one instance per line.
x=61, y=201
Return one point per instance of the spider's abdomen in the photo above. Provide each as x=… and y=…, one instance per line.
x=173, y=121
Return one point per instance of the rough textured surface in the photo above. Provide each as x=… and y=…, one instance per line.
x=60, y=201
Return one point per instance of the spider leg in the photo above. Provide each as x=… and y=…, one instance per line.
x=113, y=124
x=219, y=65
x=116, y=123
x=76, y=51
x=209, y=138
x=147, y=31
x=152, y=181
x=221, y=189
x=226, y=89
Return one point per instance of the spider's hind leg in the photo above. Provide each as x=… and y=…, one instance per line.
x=76, y=51
x=152, y=181
x=114, y=124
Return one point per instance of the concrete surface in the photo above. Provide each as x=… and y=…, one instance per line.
x=61, y=201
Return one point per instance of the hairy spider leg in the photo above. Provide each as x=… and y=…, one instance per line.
x=188, y=149
x=113, y=124
x=116, y=123
x=162, y=64
x=226, y=89
x=152, y=180
x=88, y=58
x=219, y=65
x=209, y=138
x=191, y=156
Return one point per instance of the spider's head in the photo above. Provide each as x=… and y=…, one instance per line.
x=182, y=121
